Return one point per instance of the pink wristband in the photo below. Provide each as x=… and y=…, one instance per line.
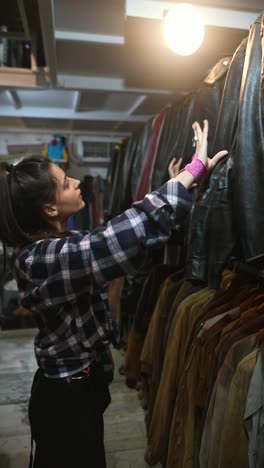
x=196, y=168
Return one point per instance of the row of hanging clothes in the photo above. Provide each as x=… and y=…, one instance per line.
x=196, y=355
x=227, y=209
x=140, y=164
x=194, y=338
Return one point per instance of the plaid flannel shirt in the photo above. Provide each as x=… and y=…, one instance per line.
x=62, y=280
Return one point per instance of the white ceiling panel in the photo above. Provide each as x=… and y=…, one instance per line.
x=211, y=13
x=240, y=5
x=46, y=98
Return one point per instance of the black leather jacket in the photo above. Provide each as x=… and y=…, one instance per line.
x=212, y=230
x=249, y=161
x=177, y=133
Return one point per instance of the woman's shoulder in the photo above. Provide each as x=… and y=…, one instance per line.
x=50, y=246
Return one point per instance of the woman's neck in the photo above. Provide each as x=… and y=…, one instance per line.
x=58, y=226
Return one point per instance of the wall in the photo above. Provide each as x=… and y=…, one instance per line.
x=77, y=168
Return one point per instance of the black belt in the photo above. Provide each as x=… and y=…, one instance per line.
x=75, y=378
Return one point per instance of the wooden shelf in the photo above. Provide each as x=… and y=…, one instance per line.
x=24, y=77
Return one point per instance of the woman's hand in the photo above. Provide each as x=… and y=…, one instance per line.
x=174, y=167
x=201, y=146
x=193, y=171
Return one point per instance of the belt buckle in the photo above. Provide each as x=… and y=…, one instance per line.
x=86, y=373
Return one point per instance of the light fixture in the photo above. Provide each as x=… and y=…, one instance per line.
x=184, y=29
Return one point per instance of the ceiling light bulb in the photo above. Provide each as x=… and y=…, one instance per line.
x=184, y=29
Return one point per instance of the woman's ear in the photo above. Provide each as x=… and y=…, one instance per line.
x=50, y=210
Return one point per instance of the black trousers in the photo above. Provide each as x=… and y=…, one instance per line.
x=66, y=421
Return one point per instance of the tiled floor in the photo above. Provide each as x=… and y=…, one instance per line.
x=124, y=419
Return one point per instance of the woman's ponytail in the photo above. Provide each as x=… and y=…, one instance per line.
x=24, y=189
x=10, y=232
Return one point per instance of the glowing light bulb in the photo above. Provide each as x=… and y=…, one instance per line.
x=184, y=29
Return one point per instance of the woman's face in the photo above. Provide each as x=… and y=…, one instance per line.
x=68, y=197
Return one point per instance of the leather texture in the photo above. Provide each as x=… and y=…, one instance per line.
x=165, y=147
x=249, y=161
x=115, y=201
x=143, y=185
x=129, y=159
x=176, y=137
x=140, y=155
x=212, y=231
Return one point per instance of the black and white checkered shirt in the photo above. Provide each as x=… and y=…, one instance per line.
x=62, y=280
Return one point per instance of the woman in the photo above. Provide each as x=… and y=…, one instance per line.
x=61, y=277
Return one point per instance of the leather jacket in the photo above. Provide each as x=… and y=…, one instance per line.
x=177, y=133
x=249, y=161
x=212, y=231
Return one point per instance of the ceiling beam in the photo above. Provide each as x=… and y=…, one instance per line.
x=136, y=104
x=89, y=37
x=46, y=13
x=76, y=101
x=14, y=99
x=103, y=84
x=24, y=19
x=156, y=9
x=92, y=135
x=68, y=114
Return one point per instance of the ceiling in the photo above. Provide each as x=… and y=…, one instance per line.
x=101, y=66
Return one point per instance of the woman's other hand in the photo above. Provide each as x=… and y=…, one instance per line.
x=174, y=167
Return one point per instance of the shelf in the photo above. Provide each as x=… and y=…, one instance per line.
x=24, y=77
